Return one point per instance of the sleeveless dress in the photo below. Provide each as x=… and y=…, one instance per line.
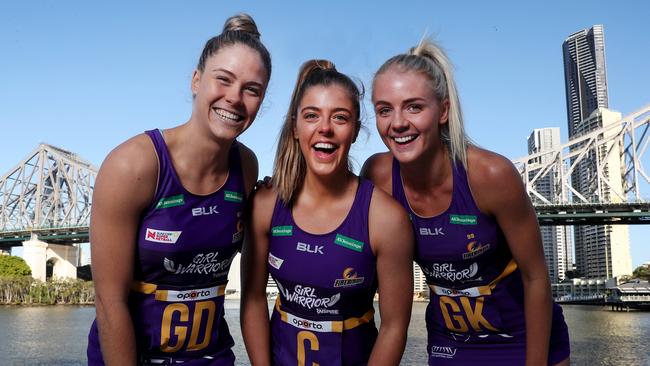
x=475, y=314
x=324, y=311
x=185, y=246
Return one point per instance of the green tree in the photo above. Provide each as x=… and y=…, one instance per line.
x=13, y=266
x=642, y=272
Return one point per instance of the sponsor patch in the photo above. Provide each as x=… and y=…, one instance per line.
x=349, y=243
x=233, y=196
x=469, y=292
x=282, y=230
x=161, y=236
x=309, y=324
x=171, y=201
x=274, y=261
x=349, y=279
x=188, y=295
x=462, y=219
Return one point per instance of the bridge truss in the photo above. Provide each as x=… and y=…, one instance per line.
x=49, y=193
x=596, y=178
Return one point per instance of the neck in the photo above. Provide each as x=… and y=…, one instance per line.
x=430, y=170
x=192, y=147
x=327, y=187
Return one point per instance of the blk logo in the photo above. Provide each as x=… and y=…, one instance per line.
x=316, y=249
x=204, y=211
x=425, y=231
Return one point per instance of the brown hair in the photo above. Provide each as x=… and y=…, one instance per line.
x=290, y=168
x=238, y=29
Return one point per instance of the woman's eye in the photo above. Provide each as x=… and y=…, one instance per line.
x=383, y=111
x=223, y=79
x=253, y=91
x=309, y=116
x=414, y=108
x=341, y=118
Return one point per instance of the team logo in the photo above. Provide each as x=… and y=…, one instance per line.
x=306, y=297
x=303, y=247
x=350, y=278
x=474, y=249
x=171, y=201
x=447, y=271
x=161, y=236
x=425, y=231
x=203, y=263
x=274, y=261
x=204, y=211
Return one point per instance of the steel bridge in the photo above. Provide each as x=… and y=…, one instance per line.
x=45, y=205
x=594, y=179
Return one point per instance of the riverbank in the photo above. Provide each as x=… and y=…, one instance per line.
x=24, y=290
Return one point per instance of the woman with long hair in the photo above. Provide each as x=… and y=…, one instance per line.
x=477, y=238
x=167, y=217
x=328, y=239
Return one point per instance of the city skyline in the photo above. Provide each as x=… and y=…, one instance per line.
x=85, y=77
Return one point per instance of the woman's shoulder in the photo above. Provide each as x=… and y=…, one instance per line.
x=378, y=169
x=488, y=167
x=493, y=179
x=136, y=156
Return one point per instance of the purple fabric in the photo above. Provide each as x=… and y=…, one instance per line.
x=323, y=280
x=476, y=309
x=185, y=246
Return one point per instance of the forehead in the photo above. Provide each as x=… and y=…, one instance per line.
x=395, y=84
x=333, y=95
x=240, y=60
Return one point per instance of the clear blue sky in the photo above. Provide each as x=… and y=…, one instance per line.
x=86, y=76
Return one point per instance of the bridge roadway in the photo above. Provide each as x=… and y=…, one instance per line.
x=60, y=235
x=558, y=214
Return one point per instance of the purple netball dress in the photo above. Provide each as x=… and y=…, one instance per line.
x=475, y=314
x=324, y=313
x=185, y=246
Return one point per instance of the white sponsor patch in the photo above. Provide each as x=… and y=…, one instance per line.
x=193, y=295
x=309, y=324
x=469, y=292
x=161, y=236
x=275, y=262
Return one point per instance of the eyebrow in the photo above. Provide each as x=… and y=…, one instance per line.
x=258, y=84
x=340, y=109
x=406, y=101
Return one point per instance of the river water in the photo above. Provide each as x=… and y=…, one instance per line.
x=56, y=335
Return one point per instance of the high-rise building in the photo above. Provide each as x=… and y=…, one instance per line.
x=556, y=239
x=601, y=251
x=585, y=75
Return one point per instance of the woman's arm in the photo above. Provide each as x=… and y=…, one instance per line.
x=124, y=187
x=500, y=192
x=254, y=274
x=391, y=238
